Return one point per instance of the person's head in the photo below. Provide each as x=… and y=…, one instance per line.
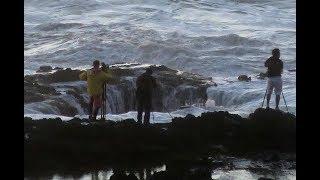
x=276, y=53
x=149, y=71
x=96, y=64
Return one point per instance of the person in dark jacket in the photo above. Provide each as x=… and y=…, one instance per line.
x=275, y=68
x=146, y=84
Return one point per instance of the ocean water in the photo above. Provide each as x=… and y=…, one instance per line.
x=221, y=39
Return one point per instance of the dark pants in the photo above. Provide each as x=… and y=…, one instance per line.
x=144, y=105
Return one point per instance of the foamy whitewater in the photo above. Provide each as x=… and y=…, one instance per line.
x=221, y=39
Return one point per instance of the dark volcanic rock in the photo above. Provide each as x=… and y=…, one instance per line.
x=162, y=68
x=131, y=176
x=32, y=97
x=66, y=75
x=44, y=89
x=53, y=142
x=34, y=92
x=44, y=69
x=58, y=68
x=120, y=176
x=121, y=72
x=244, y=78
x=174, y=91
x=64, y=107
x=61, y=76
x=269, y=129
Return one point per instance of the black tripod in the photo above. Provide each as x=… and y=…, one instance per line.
x=104, y=100
x=284, y=99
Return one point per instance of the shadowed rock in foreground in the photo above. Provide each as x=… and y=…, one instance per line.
x=52, y=144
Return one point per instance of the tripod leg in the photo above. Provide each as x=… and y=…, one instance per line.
x=103, y=108
x=285, y=102
x=264, y=98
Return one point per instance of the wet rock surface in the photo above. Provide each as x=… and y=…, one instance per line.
x=174, y=90
x=34, y=92
x=52, y=143
x=66, y=75
x=64, y=108
x=44, y=69
x=244, y=78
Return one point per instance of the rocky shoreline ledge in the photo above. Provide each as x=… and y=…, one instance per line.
x=77, y=143
x=60, y=91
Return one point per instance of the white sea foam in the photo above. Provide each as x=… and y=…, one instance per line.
x=220, y=39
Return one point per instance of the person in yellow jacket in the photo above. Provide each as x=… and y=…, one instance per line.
x=95, y=78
